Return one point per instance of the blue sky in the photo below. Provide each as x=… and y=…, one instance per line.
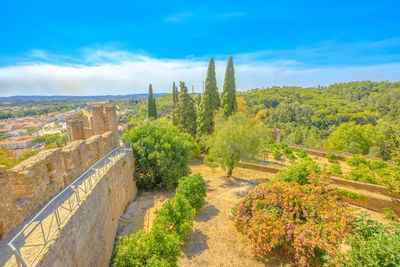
x=118, y=47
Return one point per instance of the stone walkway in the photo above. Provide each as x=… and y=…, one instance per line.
x=34, y=241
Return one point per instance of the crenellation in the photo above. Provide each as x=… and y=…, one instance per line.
x=28, y=186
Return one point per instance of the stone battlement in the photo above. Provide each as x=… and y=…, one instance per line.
x=101, y=119
x=28, y=186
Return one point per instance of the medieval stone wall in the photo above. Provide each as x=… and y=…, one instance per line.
x=87, y=238
x=28, y=186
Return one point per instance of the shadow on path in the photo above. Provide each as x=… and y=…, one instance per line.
x=195, y=244
x=205, y=214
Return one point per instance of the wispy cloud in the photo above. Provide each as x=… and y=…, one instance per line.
x=116, y=71
x=178, y=17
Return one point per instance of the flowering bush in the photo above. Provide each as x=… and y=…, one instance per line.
x=309, y=218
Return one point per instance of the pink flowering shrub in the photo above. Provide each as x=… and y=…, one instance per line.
x=308, y=218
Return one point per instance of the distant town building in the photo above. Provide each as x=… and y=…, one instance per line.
x=17, y=142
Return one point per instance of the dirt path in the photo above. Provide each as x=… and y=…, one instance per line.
x=214, y=240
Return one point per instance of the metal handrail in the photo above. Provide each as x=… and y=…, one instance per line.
x=68, y=199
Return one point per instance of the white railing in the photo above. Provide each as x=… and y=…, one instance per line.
x=29, y=243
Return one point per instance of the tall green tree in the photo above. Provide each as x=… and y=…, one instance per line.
x=151, y=104
x=174, y=94
x=209, y=103
x=184, y=114
x=229, y=103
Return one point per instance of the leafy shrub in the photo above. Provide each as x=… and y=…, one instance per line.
x=362, y=174
x=298, y=171
x=161, y=154
x=331, y=157
x=372, y=244
x=193, y=188
x=175, y=216
x=356, y=160
x=335, y=169
x=377, y=164
x=389, y=214
x=173, y=222
x=302, y=153
x=154, y=248
x=308, y=218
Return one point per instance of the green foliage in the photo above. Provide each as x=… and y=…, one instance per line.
x=389, y=214
x=161, y=154
x=372, y=244
x=229, y=102
x=8, y=160
x=234, y=138
x=374, y=172
x=335, y=169
x=302, y=153
x=277, y=153
x=51, y=139
x=174, y=95
x=362, y=174
x=154, y=248
x=298, y=172
x=209, y=103
x=184, y=114
x=351, y=195
x=356, y=160
x=193, y=188
x=173, y=222
x=175, y=216
x=308, y=218
x=151, y=104
x=331, y=157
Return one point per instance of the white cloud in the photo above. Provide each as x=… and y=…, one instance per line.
x=119, y=72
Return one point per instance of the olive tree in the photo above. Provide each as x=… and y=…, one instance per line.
x=234, y=138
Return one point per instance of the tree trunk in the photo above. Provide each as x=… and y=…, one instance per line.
x=230, y=170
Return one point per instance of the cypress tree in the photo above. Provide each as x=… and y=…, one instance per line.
x=229, y=103
x=184, y=115
x=151, y=104
x=174, y=94
x=209, y=102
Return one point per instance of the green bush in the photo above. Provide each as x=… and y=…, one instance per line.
x=356, y=160
x=331, y=157
x=154, y=248
x=173, y=222
x=193, y=188
x=301, y=153
x=175, y=216
x=362, y=174
x=335, y=169
x=161, y=154
x=298, y=172
x=372, y=244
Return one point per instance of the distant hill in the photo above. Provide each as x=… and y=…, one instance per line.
x=39, y=98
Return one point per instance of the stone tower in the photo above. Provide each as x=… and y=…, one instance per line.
x=102, y=119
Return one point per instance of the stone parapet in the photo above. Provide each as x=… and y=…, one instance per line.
x=30, y=185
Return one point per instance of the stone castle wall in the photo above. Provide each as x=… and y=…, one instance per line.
x=87, y=238
x=28, y=186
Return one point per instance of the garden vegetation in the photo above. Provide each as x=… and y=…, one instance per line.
x=161, y=246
